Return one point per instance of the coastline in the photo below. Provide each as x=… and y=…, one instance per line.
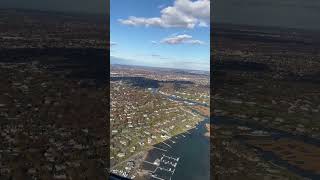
x=207, y=134
x=141, y=172
x=138, y=171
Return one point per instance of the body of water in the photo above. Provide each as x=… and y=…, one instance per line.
x=184, y=156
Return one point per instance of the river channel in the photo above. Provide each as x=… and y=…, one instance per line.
x=307, y=145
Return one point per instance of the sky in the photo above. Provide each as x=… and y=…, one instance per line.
x=161, y=33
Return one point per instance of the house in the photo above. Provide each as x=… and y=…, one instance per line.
x=123, y=143
x=132, y=149
x=120, y=155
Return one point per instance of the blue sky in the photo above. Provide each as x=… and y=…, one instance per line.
x=161, y=33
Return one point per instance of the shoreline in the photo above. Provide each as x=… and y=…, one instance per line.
x=141, y=156
x=146, y=153
x=140, y=172
x=207, y=134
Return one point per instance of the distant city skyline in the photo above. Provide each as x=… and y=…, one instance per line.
x=172, y=34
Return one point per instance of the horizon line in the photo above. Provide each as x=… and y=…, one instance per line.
x=150, y=66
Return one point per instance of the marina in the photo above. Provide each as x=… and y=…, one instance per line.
x=184, y=156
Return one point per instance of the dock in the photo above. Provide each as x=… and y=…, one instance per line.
x=167, y=144
x=160, y=149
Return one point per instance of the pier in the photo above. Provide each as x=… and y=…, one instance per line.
x=160, y=149
x=167, y=144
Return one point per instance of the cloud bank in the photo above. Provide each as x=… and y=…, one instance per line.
x=183, y=14
x=181, y=39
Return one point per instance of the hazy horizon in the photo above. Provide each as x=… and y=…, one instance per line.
x=151, y=66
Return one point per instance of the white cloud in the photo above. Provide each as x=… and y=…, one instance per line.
x=155, y=55
x=154, y=42
x=181, y=39
x=112, y=43
x=184, y=14
x=195, y=41
x=203, y=24
x=177, y=39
